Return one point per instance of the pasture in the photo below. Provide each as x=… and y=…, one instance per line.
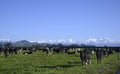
x=40, y=63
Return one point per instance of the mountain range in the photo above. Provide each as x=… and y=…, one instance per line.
x=90, y=41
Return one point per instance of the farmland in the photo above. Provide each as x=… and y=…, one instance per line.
x=40, y=63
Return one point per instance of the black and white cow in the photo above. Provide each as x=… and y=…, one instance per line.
x=99, y=55
x=1, y=51
x=85, y=56
x=27, y=53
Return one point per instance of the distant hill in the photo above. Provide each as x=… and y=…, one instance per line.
x=22, y=43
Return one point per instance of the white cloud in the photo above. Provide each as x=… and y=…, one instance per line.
x=91, y=40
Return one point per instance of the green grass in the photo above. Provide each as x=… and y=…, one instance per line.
x=40, y=63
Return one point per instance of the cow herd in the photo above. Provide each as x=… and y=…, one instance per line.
x=15, y=50
x=85, y=52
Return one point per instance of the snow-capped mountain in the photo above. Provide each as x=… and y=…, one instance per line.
x=63, y=41
x=103, y=41
x=90, y=41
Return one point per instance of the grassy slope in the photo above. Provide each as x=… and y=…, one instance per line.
x=40, y=63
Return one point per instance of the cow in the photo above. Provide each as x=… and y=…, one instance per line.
x=16, y=50
x=1, y=51
x=85, y=56
x=56, y=50
x=118, y=52
x=110, y=51
x=105, y=53
x=27, y=53
x=6, y=51
x=99, y=54
x=48, y=51
x=70, y=52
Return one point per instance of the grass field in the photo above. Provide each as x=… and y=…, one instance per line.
x=40, y=63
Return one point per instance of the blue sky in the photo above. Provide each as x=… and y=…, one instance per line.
x=59, y=19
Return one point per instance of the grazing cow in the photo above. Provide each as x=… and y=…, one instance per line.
x=99, y=54
x=85, y=56
x=27, y=53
